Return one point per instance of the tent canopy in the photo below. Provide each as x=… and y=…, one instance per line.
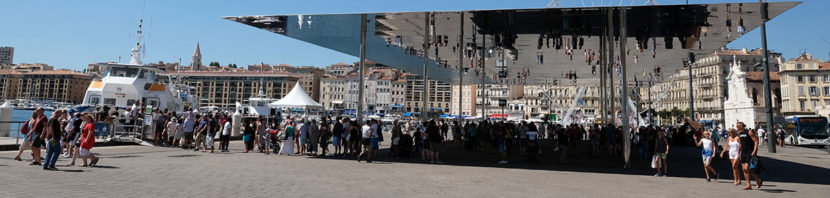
x=296, y=98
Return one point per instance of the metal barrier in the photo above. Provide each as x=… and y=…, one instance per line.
x=13, y=130
x=122, y=130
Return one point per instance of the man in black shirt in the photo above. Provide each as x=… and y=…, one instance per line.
x=435, y=139
x=338, y=134
x=749, y=149
x=562, y=139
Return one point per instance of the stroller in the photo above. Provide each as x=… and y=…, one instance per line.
x=405, y=145
x=274, y=142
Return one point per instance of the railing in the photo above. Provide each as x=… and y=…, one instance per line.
x=14, y=127
x=122, y=129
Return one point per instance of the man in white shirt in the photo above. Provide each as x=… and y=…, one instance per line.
x=225, y=137
x=762, y=135
x=367, y=133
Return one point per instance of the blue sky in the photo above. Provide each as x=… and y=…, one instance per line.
x=72, y=34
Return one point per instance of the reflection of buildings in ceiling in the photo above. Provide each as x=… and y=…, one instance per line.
x=534, y=46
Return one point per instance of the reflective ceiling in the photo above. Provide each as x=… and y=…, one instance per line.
x=527, y=46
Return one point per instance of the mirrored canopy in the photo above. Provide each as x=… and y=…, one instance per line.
x=527, y=46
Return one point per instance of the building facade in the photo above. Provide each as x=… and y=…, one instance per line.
x=468, y=100
x=224, y=89
x=6, y=55
x=8, y=84
x=333, y=93
x=805, y=86
x=308, y=76
x=709, y=83
x=56, y=86
x=439, y=98
x=339, y=69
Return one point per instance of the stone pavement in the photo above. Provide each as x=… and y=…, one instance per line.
x=138, y=171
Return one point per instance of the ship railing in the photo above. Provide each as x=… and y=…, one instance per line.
x=125, y=129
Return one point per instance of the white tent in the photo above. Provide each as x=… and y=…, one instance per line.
x=296, y=98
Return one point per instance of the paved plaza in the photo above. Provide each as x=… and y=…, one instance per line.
x=140, y=171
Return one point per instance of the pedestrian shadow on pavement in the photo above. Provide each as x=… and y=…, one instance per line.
x=183, y=156
x=775, y=190
x=105, y=166
x=682, y=162
x=73, y=171
x=123, y=156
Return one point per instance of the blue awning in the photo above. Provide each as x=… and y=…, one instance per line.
x=443, y=116
x=407, y=114
x=298, y=110
x=396, y=106
x=349, y=111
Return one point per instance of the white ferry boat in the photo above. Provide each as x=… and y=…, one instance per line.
x=121, y=85
x=258, y=106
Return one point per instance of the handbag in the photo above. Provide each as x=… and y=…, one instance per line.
x=755, y=165
x=654, y=161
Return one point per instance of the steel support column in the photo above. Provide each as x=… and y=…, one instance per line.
x=461, y=68
x=425, y=93
x=602, y=81
x=361, y=95
x=765, y=62
x=610, y=62
x=624, y=100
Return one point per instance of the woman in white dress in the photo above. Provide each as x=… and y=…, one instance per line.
x=288, y=132
x=733, y=146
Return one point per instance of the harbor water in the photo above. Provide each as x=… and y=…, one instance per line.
x=22, y=116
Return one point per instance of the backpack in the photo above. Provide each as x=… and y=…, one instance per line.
x=755, y=165
x=25, y=128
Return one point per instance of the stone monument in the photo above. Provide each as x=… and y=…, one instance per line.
x=738, y=106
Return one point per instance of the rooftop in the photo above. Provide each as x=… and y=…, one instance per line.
x=759, y=76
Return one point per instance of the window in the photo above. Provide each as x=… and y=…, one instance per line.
x=813, y=91
x=799, y=66
x=801, y=104
x=826, y=78
x=109, y=101
x=813, y=79
x=800, y=79
x=815, y=103
x=800, y=91
x=826, y=91
x=94, y=100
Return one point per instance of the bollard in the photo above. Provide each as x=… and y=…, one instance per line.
x=6, y=111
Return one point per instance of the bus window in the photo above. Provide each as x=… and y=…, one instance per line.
x=813, y=128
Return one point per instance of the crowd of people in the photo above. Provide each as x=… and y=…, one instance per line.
x=67, y=133
x=72, y=134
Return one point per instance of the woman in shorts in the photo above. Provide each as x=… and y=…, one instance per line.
x=88, y=140
x=733, y=146
x=27, y=140
x=661, y=150
x=708, y=150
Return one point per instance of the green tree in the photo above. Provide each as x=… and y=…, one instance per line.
x=232, y=65
x=214, y=63
x=675, y=112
